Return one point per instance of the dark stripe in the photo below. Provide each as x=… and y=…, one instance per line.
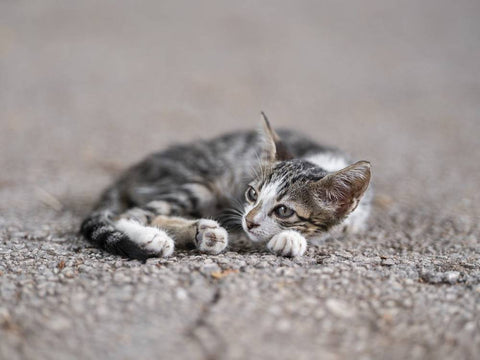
x=191, y=197
x=98, y=230
x=102, y=238
x=321, y=226
x=174, y=201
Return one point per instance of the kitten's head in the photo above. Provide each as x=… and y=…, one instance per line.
x=294, y=194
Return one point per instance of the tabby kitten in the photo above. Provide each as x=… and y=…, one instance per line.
x=293, y=188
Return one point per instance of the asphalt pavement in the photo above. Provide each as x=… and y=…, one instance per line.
x=88, y=88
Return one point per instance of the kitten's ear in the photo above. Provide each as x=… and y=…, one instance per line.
x=341, y=191
x=275, y=150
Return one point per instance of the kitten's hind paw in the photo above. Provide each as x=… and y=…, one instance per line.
x=150, y=240
x=211, y=237
x=288, y=243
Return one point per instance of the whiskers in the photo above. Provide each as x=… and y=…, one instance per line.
x=258, y=170
x=231, y=218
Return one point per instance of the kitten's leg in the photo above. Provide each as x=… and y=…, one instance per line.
x=186, y=200
x=288, y=243
x=150, y=240
x=147, y=240
x=207, y=235
x=182, y=200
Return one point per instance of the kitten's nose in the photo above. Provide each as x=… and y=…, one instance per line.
x=251, y=224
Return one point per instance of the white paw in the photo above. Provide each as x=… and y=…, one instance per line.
x=288, y=243
x=150, y=239
x=156, y=241
x=211, y=237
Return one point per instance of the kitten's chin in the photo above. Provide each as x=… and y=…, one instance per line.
x=253, y=237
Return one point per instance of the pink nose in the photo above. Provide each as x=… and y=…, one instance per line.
x=250, y=224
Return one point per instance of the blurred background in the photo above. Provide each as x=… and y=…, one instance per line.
x=88, y=87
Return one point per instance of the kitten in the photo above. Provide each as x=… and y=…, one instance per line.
x=293, y=189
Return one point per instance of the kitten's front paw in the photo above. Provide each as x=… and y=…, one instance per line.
x=211, y=237
x=288, y=243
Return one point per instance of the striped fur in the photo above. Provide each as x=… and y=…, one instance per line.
x=207, y=179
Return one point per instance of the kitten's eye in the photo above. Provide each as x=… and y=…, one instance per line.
x=251, y=194
x=283, y=212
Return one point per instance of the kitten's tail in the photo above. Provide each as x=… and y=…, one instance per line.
x=99, y=228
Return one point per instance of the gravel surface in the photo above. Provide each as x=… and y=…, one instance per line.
x=86, y=89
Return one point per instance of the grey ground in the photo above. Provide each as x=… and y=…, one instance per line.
x=86, y=89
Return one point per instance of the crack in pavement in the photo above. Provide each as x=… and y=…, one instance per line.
x=209, y=340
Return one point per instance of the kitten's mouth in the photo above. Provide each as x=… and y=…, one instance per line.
x=250, y=234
